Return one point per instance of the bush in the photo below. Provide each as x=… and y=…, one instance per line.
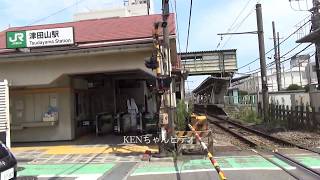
x=182, y=115
x=249, y=116
x=294, y=87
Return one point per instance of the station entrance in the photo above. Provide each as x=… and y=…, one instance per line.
x=114, y=104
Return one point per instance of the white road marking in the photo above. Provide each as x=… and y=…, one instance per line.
x=208, y=170
x=78, y=176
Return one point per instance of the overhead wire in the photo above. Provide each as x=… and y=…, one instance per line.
x=55, y=13
x=189, y=24
x=273, y=63
x=238, y=26
x=236, y=19
x=300, y=63
x=177, y=24
x=276, y=46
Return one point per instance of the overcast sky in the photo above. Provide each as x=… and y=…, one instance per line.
x=209, y=17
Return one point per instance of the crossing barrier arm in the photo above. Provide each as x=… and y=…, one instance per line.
x=210, y=156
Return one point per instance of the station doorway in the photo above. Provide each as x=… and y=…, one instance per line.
x=108, y=106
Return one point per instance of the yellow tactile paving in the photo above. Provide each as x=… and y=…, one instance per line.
x=72, y=149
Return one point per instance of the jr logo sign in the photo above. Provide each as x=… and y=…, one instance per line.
x=16, y=39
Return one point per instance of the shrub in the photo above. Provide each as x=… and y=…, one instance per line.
x=182, y=115
x=294, y=87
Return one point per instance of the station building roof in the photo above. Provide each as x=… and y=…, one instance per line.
x=96, y=32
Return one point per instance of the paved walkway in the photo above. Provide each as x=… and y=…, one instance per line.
x=80, y=153
x=249, y=167
x=74, y=160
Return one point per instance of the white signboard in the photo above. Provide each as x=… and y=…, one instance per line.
x=40, y=38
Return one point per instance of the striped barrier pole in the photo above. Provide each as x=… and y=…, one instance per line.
x=213, y=161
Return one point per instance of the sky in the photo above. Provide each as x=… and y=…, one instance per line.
x=209, y=17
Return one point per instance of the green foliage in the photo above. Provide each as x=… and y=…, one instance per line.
x=294, y=87
x=249, y=116
x=182, y=115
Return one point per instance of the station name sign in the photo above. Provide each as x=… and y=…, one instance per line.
x=40, y=38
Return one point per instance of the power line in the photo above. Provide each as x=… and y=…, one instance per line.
x=236, y=19
x=234, y=22
x=238, y=26
x=272, y=63
x=57, y=12
x=190, y=14
x=178, y=33
x=300, y=63
x=277, y=46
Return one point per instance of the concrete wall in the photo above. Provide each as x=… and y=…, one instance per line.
x=315, y=99
x=44, y=72
x=63, y=130
x=289, y=98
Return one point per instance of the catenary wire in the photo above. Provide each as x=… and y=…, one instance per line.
x=273, y=48
x=190, y=14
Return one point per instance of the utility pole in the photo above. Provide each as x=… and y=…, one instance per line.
x=279, y=58
x=168, y=98
x=265, y=96
x=276, y=57
x=262, y=54
x=315, y=20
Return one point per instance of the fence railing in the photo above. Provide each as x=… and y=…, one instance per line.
x=303, y=117
x=235, y=100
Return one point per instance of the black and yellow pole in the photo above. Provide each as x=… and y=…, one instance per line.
x=213, y=161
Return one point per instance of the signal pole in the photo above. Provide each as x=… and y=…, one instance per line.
x=276, y=57
x=265, y=95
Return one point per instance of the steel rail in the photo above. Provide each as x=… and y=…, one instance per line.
x=297, y=164
x=237, y=135
x=272, y=138
x=280, y=156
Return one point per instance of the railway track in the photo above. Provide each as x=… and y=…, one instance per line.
x=252, y=137
x=260, y=140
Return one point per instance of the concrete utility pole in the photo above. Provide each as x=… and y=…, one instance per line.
x=315, y=19
x=265, y=96
x=276, y=57
x=169, y=98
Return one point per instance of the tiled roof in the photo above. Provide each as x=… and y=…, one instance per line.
x=104, y=30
